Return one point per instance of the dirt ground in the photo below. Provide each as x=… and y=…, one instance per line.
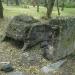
x=12, y=54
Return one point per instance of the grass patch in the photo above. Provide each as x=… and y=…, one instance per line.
x=15, y=10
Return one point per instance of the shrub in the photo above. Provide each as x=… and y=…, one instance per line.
x=68, y=5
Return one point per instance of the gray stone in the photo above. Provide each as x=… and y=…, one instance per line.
x=53, y=67
x=19, y=27
x=38, y=33
x=7, y=68
x=63, y=44
x=17, y=73
x=56, y=36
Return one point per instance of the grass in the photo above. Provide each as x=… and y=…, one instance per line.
x=12, y=11
x=15, y=10
x=69, y=11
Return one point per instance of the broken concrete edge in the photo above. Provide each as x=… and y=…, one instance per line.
x=61, y=50
x=52, y=67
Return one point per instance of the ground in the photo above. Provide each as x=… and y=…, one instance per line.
x=15, y=10
x=10, y=53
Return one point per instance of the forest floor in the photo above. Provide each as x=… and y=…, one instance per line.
x=10, y=53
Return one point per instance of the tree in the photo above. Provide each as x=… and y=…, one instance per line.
x=58, y=8
x=37, y=3
x=17, y=2
x=7, y=2
x=1, y=10
x=62, y=7
x=33, y=2
x=45, y=3
x=50, y=7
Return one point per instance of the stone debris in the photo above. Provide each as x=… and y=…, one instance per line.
x=17, y=73
x=53, y=67
x=56, y=36
x=6, y=67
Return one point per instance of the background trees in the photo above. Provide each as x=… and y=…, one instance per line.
x=50, y=7
x=46, y=4
x=17, y=2
x=1, y=10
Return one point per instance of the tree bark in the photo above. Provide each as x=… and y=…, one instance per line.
x=37, y=8
x=37, y=2
x=7, y=2
x=50, y=7
x=1, y=10
x=45, y=5
x=62, y=7
x=33, y=3
x=17, y=2
x=58, y=8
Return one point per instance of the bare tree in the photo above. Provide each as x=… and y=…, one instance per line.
x=1, y=10
x=58, y=8
x=7, y=2
x=17, y=2
x=50, y=7
x=62, y=7
x=33, y=2
x=37, y=3
x=45, y=3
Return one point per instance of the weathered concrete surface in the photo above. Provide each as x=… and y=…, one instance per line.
x=66, y=39
x=19, y=27
x=41, y=32
x=53, y=67
x=56, y=37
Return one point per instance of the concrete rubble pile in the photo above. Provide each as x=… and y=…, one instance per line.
x=56, y=37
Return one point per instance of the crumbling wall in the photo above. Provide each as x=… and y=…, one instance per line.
x=19, y=27
x=66, y=40
x=56, y=37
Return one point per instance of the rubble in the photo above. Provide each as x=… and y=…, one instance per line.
x=56, y=36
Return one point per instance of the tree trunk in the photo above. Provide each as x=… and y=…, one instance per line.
x=45, y=4
x=37, y=5
x=7, y=2
x=62, y=7
x=1, y=10
x=50, y=7
x=37, y=8
x=33, y=2
x=17, y=2
x=58, y=8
